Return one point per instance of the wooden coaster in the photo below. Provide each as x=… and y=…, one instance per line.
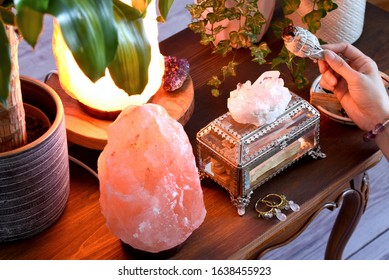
x=87, y=131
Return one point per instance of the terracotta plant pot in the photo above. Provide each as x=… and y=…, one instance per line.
x=34, y=179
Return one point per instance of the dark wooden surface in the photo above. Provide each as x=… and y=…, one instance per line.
x=81, y=232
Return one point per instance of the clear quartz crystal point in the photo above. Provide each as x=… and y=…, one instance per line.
x=280, y=216
x=294, y=206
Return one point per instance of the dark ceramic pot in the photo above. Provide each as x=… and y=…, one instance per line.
x=34, y=179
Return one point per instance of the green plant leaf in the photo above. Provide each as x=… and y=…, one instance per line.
x=129, y=68
x=5, y=69
x=214, y=82
x=164, y=8
x=279, y=25
x=7, y=16
x=215, y=92
x=298, y=74
x=89, y=30
x=223, y=47
x=290, y=6
x=313, y=18
x=327, y=5
x=206, y=39
x=212, y=18
x=283, y=57
x=229, y=69
x=30, y=23
x=197, y=27
x=38, y=6
x=195, y=10
x=254, y=23
x=260, y=52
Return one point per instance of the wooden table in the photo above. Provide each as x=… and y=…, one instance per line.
x=337, y=181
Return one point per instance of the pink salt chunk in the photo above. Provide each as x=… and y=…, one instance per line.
x=150, y=192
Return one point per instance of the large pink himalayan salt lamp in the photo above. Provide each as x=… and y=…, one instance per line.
x=150, y=192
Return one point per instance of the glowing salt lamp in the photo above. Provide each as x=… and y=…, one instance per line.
x=104, y=95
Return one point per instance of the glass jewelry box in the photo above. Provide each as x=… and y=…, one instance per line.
x=241, y=157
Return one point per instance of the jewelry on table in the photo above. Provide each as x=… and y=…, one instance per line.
x=275, y=203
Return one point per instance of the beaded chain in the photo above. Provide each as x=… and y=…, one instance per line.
x=373, y=133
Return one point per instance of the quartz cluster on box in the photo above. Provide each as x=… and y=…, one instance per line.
x=261, y=102
x=242, y=156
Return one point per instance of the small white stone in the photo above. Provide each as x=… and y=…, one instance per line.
x=280, y=216
x=294, y=206
x=268, y=215
x=241, y=211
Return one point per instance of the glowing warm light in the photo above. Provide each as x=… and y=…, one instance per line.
x=104, y=94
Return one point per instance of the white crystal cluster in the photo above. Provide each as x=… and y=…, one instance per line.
x=259, y=103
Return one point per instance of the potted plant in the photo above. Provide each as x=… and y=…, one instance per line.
x=34, y=176
x=210, y=18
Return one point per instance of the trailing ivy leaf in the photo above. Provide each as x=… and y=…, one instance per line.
x=229, y=70
x=290, y=6
x=129, y=68
x=334, y=7
x=5, y=69
x=243, y=40
x=298, y=74
x=312, y=19
x=197, y=27
x=234, y=38
x=212, y=18
x=206, y=39
x=7, y=16
x=223, y=48
x=89, y=31
x=283, y=57
x=215, y=92
x=218, y=29
x=214, y=82
x=327, y=5
x=30, y=23
x=246, y=7
x=254, y=23
x=300, y=80
x=195, y=11
x=260, y=52
x=279, y=25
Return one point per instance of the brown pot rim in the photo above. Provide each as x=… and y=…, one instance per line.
x=58, y=116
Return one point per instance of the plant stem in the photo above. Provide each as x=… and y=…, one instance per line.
x=12, y=122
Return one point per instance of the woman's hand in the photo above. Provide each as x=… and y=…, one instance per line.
x=355, y=80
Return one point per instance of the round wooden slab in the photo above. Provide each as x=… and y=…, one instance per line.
x=89, y=132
